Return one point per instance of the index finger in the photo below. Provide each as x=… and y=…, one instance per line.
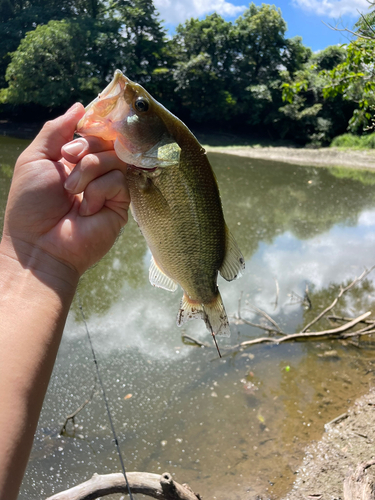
x=75, y=150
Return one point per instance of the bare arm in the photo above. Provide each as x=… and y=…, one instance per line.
x=51, y=236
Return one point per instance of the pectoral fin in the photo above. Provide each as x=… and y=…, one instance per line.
x=234, y=263
x=159, y=279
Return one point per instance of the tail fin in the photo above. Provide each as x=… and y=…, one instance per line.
x=213, y=314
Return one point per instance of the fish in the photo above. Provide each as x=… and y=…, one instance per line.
x=174, y=195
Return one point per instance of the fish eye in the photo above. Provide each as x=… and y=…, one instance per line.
x=141, y=104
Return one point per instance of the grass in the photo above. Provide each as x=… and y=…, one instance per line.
x=351, y=141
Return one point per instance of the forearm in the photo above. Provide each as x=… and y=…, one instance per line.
x=35, y=297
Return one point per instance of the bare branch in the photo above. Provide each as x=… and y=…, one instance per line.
x=342, y=291
x=152, y=485
x=305, y=335
x=347, y=30
x=343, y=318
x=268, y=318
x=277, y=293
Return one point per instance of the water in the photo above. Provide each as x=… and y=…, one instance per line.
x=233, y=428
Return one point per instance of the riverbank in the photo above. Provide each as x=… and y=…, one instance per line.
x=228, y=144
x=347, y=442
x=321, y=157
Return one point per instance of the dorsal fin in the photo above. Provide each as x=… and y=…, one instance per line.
x=233, y=263
x=159, y=279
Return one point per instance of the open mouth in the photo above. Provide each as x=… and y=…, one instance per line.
x=109, y=107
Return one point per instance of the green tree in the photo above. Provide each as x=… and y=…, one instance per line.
x=260, y=37
x=52, y=66
x=308, y=115
x=17, y=17
x=203, y=51
x=142, y=41
x=353, y=79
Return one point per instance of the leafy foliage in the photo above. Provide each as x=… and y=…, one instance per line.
x=243, y=75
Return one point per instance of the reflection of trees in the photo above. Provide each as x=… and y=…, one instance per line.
x=359, y=299
x=268, y=199
x=101, y=285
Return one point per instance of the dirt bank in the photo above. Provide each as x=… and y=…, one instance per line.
x=348, y=441
x=304, y=156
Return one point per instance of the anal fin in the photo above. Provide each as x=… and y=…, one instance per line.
x=233, y=263
x=159, y=279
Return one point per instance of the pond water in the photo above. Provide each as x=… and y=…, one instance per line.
x=236, y=427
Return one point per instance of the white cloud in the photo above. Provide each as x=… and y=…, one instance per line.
x=178, y=11
x=333, y=8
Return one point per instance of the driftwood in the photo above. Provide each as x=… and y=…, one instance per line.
x=158, y=486
x=360, y=485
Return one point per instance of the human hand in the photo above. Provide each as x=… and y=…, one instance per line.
x=46, y=223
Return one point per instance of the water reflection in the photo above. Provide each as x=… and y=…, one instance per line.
x=232, y=428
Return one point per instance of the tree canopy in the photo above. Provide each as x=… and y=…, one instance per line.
x=240, y=75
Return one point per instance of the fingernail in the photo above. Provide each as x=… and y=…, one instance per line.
x=72, y=181
x=73, y=107
x=76, y=147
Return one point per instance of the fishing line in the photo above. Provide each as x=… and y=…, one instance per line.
x=105, y=398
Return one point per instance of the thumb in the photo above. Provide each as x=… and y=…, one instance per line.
x=54, y=134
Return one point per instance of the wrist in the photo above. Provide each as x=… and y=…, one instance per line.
x=31, y=266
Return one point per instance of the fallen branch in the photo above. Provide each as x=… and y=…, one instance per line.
x=304, y=335
x=153, y=485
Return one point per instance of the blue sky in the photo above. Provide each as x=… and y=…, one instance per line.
x=304, y=17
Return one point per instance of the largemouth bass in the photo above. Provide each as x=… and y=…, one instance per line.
x=174, y=198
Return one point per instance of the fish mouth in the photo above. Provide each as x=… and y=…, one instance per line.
x=107, y=109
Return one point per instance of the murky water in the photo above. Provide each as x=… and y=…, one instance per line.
x=233, y=428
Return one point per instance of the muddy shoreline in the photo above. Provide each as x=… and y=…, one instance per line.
x=323, y=157
x=347, y=441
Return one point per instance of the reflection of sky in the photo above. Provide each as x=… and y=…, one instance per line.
x=145, y=318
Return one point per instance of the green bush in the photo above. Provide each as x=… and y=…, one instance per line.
x=354, y=141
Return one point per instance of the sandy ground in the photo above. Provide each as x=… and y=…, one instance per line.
x=346, y=443
x=304, y=156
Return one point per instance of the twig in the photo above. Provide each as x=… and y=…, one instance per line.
x=343, y=318
x=365, y=331
x=337, y=420
x=306, y=297
x=347, y=30
x=256, y=325
x=195, y=341
x=75, y=413
x=239, y=305
x=277, y=293
x=342, y=291
x=268, y=318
